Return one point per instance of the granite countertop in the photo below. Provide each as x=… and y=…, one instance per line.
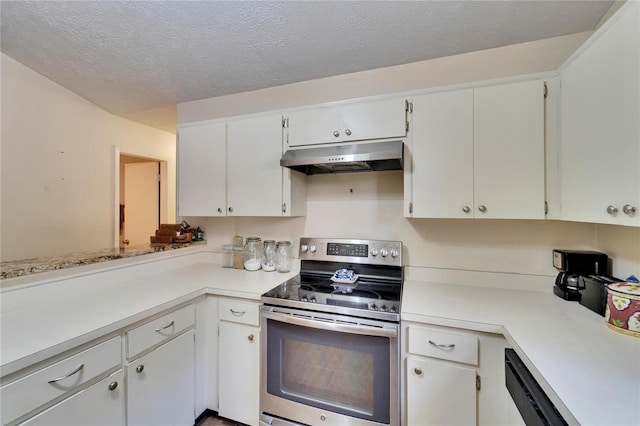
x=19, y=268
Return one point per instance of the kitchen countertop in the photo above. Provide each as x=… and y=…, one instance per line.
x=578, y=360
x=593, y=370
x=19, y=268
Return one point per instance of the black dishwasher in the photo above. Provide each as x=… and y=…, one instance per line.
x=534, y=405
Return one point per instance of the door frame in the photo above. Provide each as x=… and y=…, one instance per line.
x=116, y=189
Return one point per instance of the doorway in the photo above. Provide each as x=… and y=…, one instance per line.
x=141, y=196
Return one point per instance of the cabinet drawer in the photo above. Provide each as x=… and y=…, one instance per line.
x=159, y=330
x=32, y=391
x=100, y=405
x=443, y=345
x=240, y=312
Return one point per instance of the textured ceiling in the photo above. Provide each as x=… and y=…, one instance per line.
x=140, y=58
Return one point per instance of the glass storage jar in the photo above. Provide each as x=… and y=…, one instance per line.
x=269, y=256
x=283, y=256
x=252, y=253
x=238, y=258
x=227, y=256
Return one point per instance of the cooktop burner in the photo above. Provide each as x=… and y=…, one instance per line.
x=374, y=289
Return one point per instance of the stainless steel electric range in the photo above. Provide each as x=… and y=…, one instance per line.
x=329, y=336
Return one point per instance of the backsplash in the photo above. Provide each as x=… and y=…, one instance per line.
x=371, y=206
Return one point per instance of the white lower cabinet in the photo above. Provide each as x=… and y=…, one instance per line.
x=453, y=377
x=440, y=394
x=239, y=362
x=161, y=384
x=101, y=404
x=60, y=382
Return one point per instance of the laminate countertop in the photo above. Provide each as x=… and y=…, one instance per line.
x=589, y=371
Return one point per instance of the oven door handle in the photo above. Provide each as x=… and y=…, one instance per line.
x=332, y=326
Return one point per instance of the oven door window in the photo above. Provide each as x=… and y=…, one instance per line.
x=340, y=372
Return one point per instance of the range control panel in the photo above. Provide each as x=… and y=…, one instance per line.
x=371, y=252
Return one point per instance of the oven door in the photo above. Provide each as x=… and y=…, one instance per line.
x=326, y=369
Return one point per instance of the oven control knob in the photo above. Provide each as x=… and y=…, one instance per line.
x=383, y=308
x=393, y=310
x=374, y=307
x=394, y=253
x=312, y=300
x=384, y=252
x=304, y=299
x=374, y=252
x=312, y=249
x=304, y=248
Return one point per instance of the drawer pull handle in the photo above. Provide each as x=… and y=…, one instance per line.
x=250, y=337
x=418, y=371
x=113, y=386
x=140, y=368
x=68, y=375
x=451, y=346
x=238, y=313
x=171, y=324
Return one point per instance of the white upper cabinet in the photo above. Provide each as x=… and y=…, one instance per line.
x=202, y=170
x=255, y=178
x=600, y=125
x=350, y=122
x=442, y=153
x=478, y=153
x=233, y=169
x=508, y=150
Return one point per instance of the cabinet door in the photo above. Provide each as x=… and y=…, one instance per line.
x=600, y=129
x=100, y=404
x=374, y=120
x=314, y=126
x=440, y=394
x=352, y=122
x=239, y=372
x=254, y=185
x=442, y=151
x=160, y=385
x=202, y=170
x=509, y=151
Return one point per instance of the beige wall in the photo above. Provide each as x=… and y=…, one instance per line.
x=526, y=58
x=375, y=207
x=374, y=210
x=57, y=171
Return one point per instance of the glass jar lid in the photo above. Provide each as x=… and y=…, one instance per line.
x=284, y=243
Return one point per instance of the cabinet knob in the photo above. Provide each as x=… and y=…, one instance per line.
x=466, y=209
x=482, y=208
x=250, y=337
x=323, y=417
x=230, y=209
x=628, y=209
x=113, y=386
x=418, y=371
x=612, y=210
x=336, y=133
x=347, y=132
x=140, y=368
x=219, y=209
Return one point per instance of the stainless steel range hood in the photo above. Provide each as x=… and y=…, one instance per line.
x=362, y=157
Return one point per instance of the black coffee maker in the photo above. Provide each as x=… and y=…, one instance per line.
x=576, y=267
